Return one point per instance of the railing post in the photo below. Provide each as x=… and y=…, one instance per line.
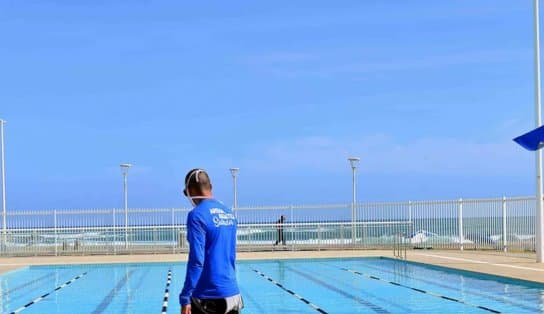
x=173, y=234
x=4, y=237
x=461, y=237
x=55, y=230
x=250, y=235
x=292, y=233
x=394, y=245
x=342, y=235
x=319, y=237
x=410, y=211
x=410, y=217
x=126, y=229
x=362, y=226
x=504, y=243
x=405, y=246
x=114, y=232
x=353, y=227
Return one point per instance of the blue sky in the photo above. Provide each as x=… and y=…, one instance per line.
x=428, y=93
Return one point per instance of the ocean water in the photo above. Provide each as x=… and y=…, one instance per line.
x=478, y=233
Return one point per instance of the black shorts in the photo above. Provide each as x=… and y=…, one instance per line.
x=210, y=306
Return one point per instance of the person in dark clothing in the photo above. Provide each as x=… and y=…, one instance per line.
x=279, y=227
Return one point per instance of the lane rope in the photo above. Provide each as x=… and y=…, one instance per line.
x=101, y=308
x=421, y=291
x=166, y=292
x=315, y=307
x=503, y=299
x=332, y=287
x=40, y=298
x=26, y=284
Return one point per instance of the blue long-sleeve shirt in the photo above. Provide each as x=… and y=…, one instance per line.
x=211, y=269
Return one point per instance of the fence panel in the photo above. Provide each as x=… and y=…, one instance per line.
x=435, y=224
x=503, y=224
x=379, y=223
x=520, y=224
x=482, y=224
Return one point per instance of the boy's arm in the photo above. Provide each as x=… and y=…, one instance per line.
x=196, y=235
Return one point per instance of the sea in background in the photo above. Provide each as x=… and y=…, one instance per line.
x=421, y=233
x=485, y=223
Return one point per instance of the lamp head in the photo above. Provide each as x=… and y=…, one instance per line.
x=125, y=167
x=234, y=171
x=354, y=161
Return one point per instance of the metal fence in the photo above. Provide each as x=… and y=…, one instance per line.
x=502, y=224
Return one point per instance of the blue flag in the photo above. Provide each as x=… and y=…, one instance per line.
x=533, y=140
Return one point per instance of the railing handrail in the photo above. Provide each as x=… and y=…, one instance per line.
x=12, y=212
x=349, y=223
x=242, y=225
x=93, y=211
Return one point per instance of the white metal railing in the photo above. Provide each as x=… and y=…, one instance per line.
x=502, y=224
x=400, y=246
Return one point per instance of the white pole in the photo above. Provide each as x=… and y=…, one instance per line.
x=353, y=161
x=504, y=243
x=56, y=231
x=2, y=122
x=114, y=230
x=235, y=194
x=293, y=228
x=539, y=196
x=173, y=233
x=126, y=207
x=353, y=211
x=460, y=224
x=234, y=173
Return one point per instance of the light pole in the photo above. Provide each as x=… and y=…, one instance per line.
x=124, y=169
x=3, y=168
x=354, y=161
x=234, y=173
x=538, y=108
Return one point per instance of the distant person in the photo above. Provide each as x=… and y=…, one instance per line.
x=210, y=282
x=279, y=227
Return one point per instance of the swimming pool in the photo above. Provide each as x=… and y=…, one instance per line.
x=353, y=285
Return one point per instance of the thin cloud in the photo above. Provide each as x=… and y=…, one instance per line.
x=293, y=64
x=280, y=57
x=436, y=61
x=382, y=153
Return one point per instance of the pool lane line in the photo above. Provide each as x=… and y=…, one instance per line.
x=315, y=307
x=136, y=286
x=247, y=297
x=422, y=291
x=108, y=298
x=372, y=306
x=26, y=284
x=166, y=292
x=43, y=296
x=501, y=298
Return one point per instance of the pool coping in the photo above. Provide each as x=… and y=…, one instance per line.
x=471, y=273
x=513, y=266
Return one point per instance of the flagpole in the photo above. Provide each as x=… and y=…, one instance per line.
x=3, y=169
x=539, y=243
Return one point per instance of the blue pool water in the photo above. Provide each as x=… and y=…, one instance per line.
x=362, y=285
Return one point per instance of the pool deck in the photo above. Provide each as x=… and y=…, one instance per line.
x=519, y=266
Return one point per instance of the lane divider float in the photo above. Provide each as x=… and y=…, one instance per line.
x=40, y=298
x=166, y=292
x=315, y=307
x=422, y=291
